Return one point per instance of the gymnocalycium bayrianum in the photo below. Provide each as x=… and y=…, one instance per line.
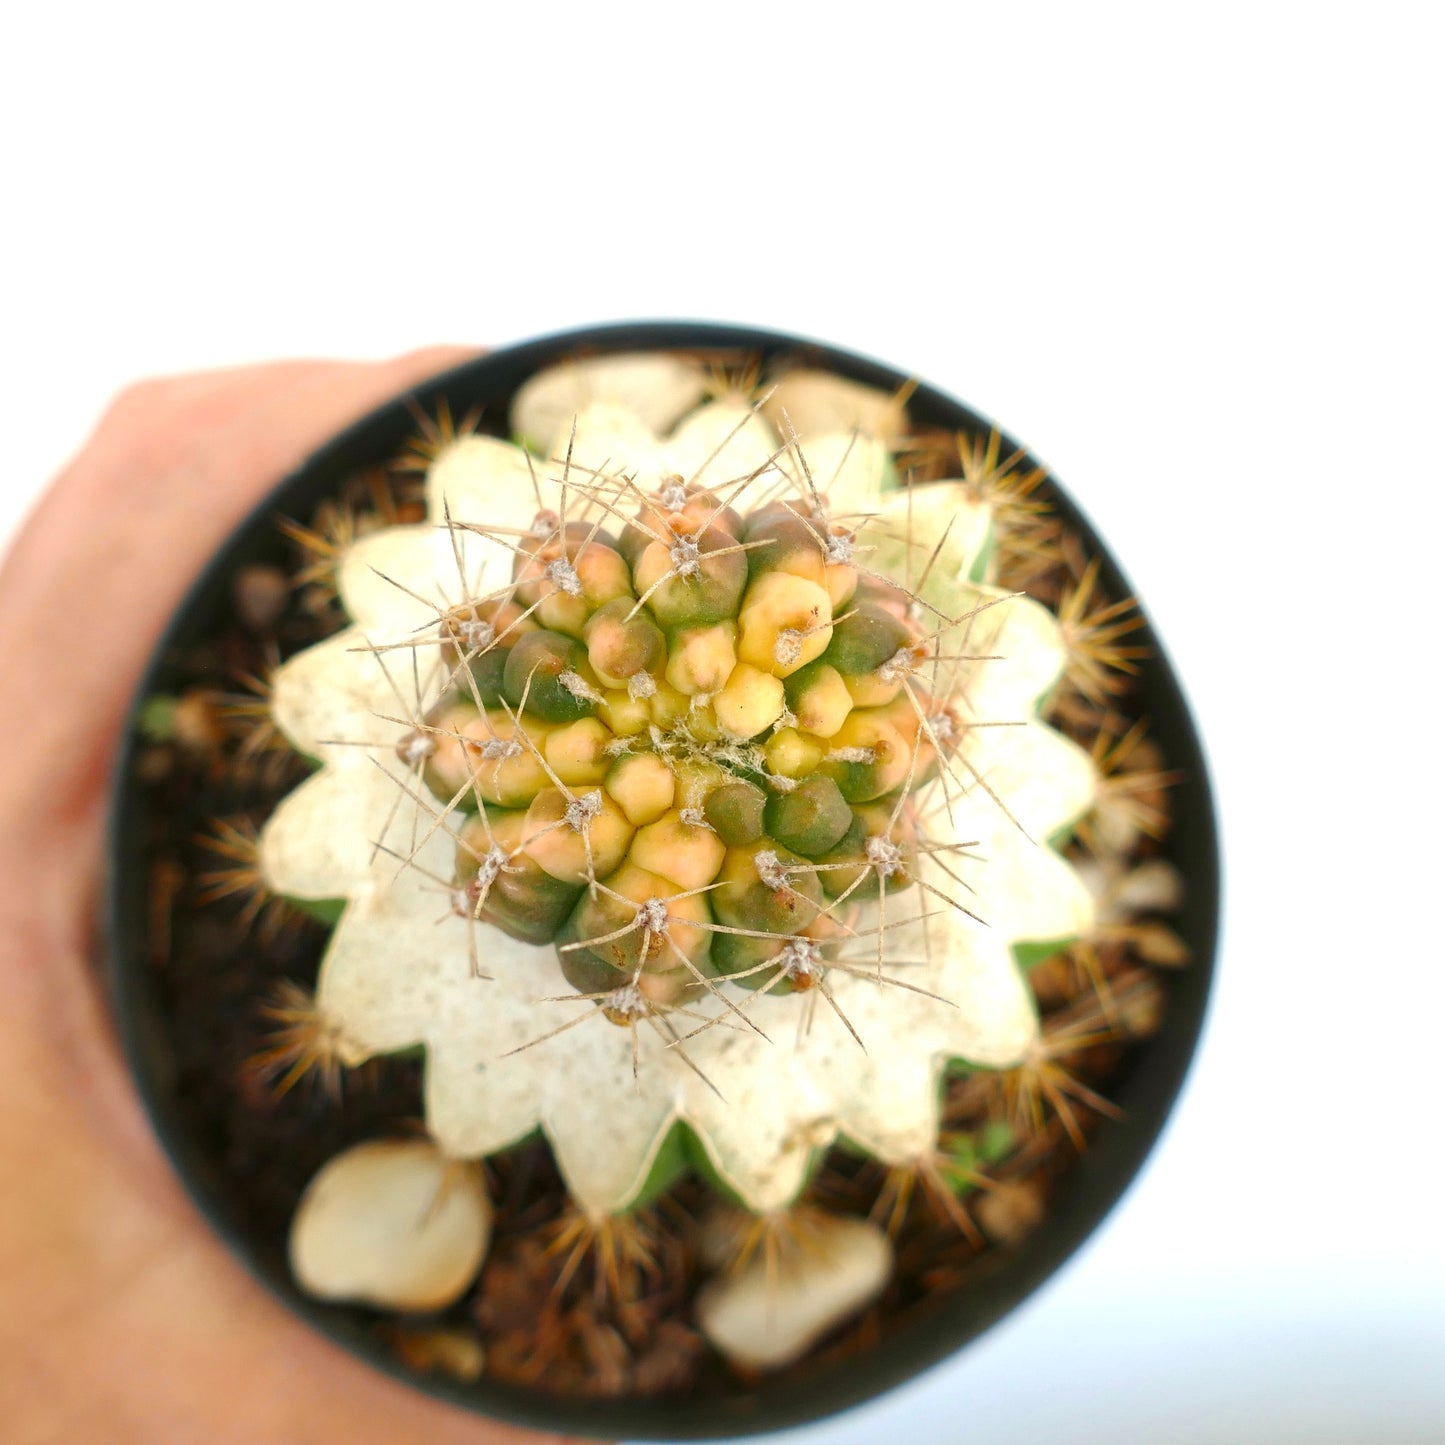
x=685, y=791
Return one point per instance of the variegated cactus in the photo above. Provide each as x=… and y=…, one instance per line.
x=684, y=788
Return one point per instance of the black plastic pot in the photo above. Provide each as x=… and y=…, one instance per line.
x=1145, y=1089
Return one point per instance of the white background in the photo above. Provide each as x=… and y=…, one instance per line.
x=1191, y=255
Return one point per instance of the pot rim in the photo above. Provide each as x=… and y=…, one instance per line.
x=1146, y=1088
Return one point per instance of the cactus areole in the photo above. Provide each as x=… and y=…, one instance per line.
x=684, y=786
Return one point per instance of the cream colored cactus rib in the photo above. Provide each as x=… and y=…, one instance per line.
x=507, y=904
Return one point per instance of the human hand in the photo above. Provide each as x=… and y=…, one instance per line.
x=122, y=1317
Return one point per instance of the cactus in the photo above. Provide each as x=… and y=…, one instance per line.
x=686, y=788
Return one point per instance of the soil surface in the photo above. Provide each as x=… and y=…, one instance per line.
x=555, y=1310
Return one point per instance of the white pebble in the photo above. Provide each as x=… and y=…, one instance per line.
x=391, y=1223
x=764, y=1322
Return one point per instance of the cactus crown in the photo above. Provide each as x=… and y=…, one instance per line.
x=720, y=738
x=681, y=752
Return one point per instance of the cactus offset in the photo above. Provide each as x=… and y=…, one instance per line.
x=684, y=768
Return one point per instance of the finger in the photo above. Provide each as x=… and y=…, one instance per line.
x=154, y=428
x=104, y=562
x=91, y=582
